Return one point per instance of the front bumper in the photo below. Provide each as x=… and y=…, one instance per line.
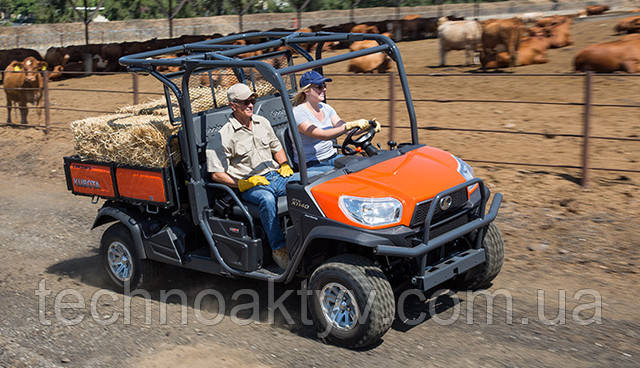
x=456, y=264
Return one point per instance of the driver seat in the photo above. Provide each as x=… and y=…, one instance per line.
x=254, y=211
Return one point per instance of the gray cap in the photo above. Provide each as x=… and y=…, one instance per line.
x=239, y=92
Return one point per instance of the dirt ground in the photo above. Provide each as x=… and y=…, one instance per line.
x=577, y=246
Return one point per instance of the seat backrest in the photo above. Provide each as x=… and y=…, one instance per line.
x=273, y=109
x=270, y=107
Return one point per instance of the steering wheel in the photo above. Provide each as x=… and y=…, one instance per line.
x=361, y=142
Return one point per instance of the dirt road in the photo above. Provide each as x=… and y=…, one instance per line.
x=45, y=239
x=579, y=247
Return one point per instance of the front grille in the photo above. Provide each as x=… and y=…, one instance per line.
x=459, y=199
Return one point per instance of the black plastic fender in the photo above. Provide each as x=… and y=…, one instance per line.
x=111, y=214
x=329, y=232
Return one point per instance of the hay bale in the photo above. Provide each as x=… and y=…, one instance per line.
x=125, y=139
x=153, y=107
x=137, y=134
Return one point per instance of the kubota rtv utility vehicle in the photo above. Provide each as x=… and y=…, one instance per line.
x=409, y=214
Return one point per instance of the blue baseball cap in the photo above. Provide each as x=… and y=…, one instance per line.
x=312, y=77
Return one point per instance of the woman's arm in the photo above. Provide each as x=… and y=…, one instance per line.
x=309, y=129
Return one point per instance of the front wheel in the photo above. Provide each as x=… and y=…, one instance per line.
x=120, y=260
x=481, y=276
x=352, y=302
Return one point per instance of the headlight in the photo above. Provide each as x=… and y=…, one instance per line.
x=466, y=171
x=371, y=211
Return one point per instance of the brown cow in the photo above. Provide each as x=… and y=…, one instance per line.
x=631, y=36
x=110, y=53
x=532, y=50
x=23, y=84
x=414, y=27
x=364, y=28
x=560, y=35
x=56, y=73
x=628, y=25
x=7, y=56
x=368, y=63
x=505, y=32
x=609, y=57
x=596, y=9
x=551, y=21
x=246, y=54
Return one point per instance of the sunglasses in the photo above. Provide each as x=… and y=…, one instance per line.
x=251, y=101
x=319, y=87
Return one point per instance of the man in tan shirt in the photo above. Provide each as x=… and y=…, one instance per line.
x=247, y=154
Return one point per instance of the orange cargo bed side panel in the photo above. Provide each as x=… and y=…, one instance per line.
x=141, y=184
x=91, y=179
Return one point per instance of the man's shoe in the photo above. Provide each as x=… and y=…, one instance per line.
x=281, y=257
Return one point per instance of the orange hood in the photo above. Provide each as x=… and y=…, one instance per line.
x=418, y=175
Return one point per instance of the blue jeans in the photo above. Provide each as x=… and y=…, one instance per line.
x=319, y=166
x=266, y=198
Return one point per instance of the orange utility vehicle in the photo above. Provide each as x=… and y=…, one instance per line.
x=382, y=219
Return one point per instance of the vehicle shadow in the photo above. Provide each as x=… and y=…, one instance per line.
x=416, y=308
x=243, y=300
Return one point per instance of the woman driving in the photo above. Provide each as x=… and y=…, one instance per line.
x=319, y=123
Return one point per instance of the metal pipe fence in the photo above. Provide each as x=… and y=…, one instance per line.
x=586, y=103
x=141, y=30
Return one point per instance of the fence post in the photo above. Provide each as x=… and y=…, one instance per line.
x=392, y=106
x=135, y=88
x=585, y=131
x=45, y=96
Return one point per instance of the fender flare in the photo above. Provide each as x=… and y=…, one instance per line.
x=329, y=232
x=111, y=214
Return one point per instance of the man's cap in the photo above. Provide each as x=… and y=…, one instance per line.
x=312, y=77
x=239, y=92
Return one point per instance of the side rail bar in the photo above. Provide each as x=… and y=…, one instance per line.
x=429, y=245
x=237, y=200
x=172, y=166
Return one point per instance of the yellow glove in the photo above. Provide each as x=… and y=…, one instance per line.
x=246, y=184
x=285, y=170
x=362, y=124
x=377, y=125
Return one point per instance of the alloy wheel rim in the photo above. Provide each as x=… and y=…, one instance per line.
x=120, y=261
x=339, y=306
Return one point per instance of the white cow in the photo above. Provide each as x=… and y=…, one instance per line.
x=459, y=35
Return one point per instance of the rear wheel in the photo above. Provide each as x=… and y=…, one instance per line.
x=120, y=260
x=481, y=276
x=352, y=303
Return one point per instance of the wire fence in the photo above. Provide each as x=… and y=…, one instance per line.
x=586, y=105
x=41, y=37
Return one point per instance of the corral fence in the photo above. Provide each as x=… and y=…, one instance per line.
x=43, y=36
x=392, y=100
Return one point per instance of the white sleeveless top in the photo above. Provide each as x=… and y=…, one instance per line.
x=315, y=149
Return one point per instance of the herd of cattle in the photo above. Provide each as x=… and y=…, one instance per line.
x=495, y=43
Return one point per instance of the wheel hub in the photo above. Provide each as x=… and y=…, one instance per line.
x=339, y=306
x=120, y=261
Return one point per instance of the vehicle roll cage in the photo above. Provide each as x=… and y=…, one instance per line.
x=220, y=53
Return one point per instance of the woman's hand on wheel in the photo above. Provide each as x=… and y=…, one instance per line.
x=362, y=124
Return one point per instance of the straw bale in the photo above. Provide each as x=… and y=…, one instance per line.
x=152, y=107
x=137, y=134
x=125, y=139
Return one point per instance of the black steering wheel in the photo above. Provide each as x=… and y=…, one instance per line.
x=361, y=143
